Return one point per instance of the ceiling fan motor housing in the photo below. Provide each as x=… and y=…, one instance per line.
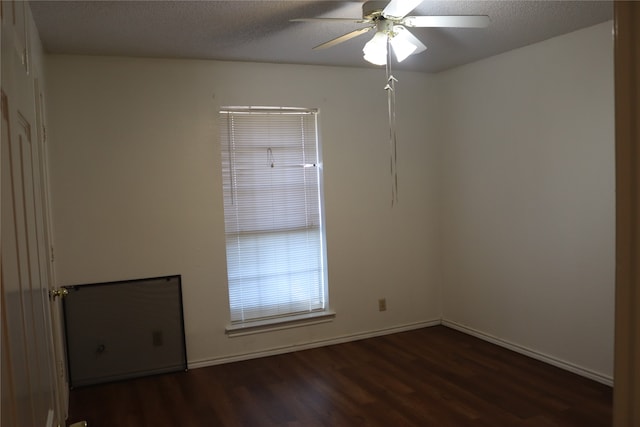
x=373, y=9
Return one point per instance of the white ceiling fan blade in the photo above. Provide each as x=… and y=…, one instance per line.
x=460, y=21
x=343, y=20
x=344, y=38
x=399, y=8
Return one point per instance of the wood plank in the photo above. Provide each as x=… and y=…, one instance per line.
x=428, y=377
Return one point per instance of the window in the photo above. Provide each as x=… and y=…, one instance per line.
x=272, y=184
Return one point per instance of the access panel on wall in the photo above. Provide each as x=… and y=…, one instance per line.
x=126, y=329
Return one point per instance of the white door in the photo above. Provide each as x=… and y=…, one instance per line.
x=29, y=394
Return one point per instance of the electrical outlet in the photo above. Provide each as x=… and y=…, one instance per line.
x=382, y=304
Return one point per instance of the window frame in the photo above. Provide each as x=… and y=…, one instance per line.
x=295, y=318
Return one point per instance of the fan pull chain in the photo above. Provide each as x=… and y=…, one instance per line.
x=391, y=104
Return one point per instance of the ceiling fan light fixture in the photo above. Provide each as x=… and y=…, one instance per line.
x=375, y=51
x=404, y=43
x=401, y=44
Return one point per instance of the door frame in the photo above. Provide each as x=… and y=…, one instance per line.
x=626, y=402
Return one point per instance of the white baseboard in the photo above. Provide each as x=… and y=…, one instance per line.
x=587, y=373
x=596, y=376
x=314, y=344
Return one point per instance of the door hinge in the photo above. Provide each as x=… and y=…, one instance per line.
x=58, y=292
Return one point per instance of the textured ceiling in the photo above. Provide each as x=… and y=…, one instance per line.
x=260, y=30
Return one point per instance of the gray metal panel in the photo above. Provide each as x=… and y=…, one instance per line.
x=124, y=330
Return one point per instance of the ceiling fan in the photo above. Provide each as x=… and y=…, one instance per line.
x=389, y=20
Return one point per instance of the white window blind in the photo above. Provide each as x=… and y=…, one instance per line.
x=272, y=207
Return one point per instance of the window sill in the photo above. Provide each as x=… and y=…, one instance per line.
x=278, y=324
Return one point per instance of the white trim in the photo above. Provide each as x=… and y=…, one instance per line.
x=567, y=366
x=279, y=323
x=265, y=109
x=50, y=415
x=314, y=344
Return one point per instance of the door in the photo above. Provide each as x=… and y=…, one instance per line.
x=29, y=394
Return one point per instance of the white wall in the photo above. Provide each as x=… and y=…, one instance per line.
x=136, y=187
x=528, y=198
x=506, y=192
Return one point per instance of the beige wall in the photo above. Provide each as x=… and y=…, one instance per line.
x=136, y=187
x=528, y=198
x=506, y=192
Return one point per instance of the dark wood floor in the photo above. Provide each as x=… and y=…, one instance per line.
x=428, y=377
